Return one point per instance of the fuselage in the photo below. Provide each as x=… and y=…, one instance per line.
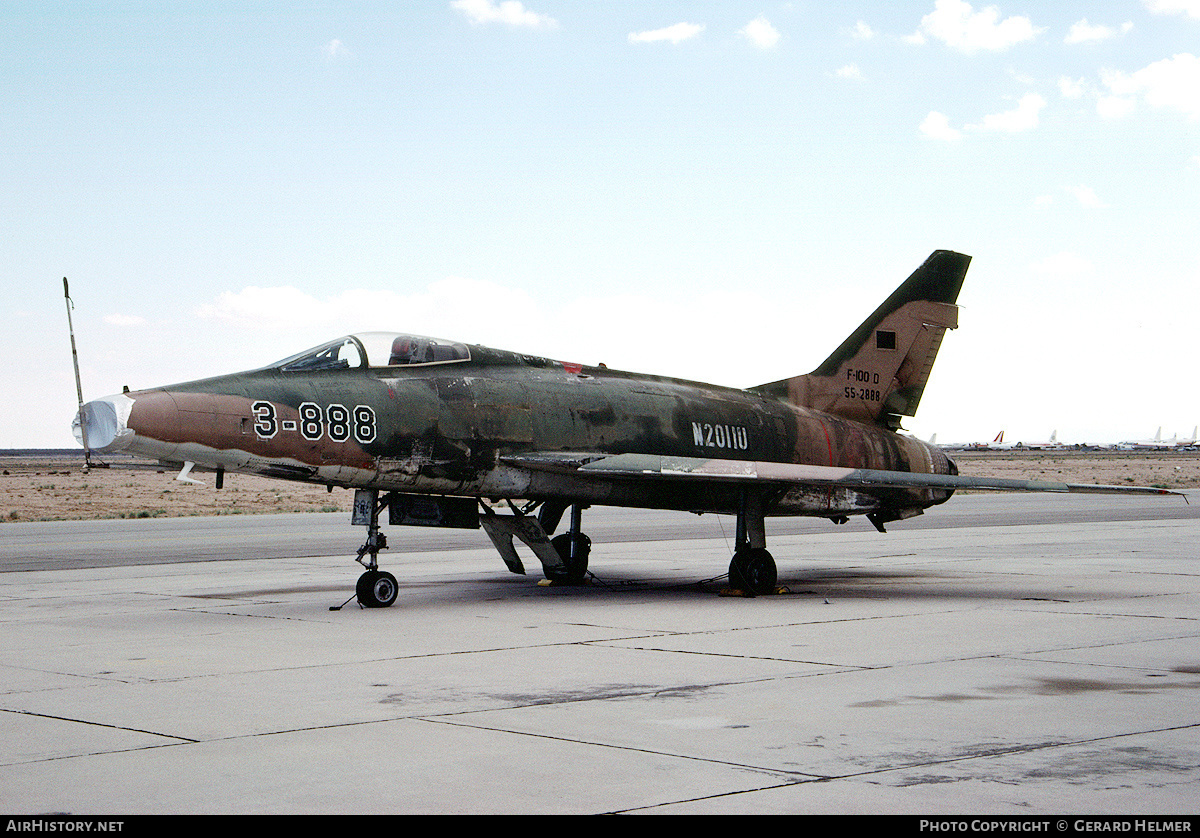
x=456, y=422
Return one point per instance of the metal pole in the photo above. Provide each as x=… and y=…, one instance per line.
x=87, y=452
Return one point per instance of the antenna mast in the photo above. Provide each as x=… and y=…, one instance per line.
x=87, y=451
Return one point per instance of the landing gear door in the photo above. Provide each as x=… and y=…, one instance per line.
x=501, y=529
x=417, y=510
x=426, y=511
x=364, y=507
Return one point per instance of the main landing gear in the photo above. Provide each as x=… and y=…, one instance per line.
x=572, y=546
x=564, y=558
x=752, y=569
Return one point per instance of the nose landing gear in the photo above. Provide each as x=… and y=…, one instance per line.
x=376, y=588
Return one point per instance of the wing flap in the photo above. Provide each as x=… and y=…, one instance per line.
x=658, y=466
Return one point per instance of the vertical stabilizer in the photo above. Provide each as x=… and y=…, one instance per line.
x=879, y=373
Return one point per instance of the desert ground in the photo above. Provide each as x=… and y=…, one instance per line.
x=48, y=487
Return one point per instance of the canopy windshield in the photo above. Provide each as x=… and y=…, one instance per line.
x=376, y=349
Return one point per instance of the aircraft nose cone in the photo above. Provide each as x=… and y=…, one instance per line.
x=106, y=423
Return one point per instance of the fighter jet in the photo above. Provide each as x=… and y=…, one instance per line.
x=442, y=433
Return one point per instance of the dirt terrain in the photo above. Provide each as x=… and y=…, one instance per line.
x=44, y=487
x=50, y=488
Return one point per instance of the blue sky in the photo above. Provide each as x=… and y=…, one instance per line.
x=713, y=190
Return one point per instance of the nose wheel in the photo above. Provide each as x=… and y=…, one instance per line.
x=376, y=589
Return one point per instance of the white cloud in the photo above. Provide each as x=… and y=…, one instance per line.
x=334, y=50
x=1070, y=88
x=1115, y=107
x=1191, y=8
x=1063, y=265
x=957, y=25
x=510, y=12
x=675, y=34
x=124, y=321
x=937, y=127
x=862, y=32
x=281, y=320
x=850, y=71
x=284, y=308
x=1087, y=197
x=1171, y=83
x=572, y=328
x=1084, y=32
x=1024, y=117
x=271, y=307
x=760, y=33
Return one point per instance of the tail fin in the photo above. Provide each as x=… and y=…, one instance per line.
x=879, y=373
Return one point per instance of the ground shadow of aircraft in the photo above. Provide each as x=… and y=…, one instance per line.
x=440, y=433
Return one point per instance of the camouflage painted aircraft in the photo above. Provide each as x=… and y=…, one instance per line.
x=431, y=429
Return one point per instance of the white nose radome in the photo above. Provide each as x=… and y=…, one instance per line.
x=106, y=422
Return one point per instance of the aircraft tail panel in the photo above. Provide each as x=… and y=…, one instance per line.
x=879, y=372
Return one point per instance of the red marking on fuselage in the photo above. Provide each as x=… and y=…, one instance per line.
x=828, y=441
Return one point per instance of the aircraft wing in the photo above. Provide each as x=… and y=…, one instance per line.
x=655, y=466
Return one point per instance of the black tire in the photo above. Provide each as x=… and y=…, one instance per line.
x=753, y=570
x=574, y=570
x=376, y=589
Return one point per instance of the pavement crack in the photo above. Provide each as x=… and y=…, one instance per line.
x=97, y=724
x=796, y=775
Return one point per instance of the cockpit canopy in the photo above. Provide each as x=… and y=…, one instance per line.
x=376, y=349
